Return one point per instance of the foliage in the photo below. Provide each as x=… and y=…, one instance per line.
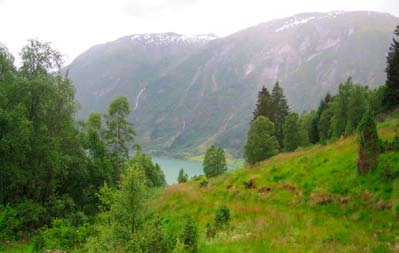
x=62, y=235
x=319, y=126
x=153, y=172
x=9, y=222
x=214, y=161
x=210, y=231
x=222, y=217
x=120, y=132
x=261, y=142
x=391, y=96
x=189, y=237
x=347, y=108
x=280, y=112
x=368, y=143
x=264, y=105
x=294, y=134
x=183, y=177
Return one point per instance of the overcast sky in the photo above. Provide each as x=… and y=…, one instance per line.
x=72, y=26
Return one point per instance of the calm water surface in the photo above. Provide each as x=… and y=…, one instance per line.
x=171, y=167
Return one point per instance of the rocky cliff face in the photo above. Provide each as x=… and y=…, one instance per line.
x=188, y=92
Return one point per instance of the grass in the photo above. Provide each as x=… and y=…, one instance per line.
x=315, y=202
x=230, y=160
x=17, y=247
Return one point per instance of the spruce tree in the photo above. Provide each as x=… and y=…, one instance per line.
x=264, y=105
x=280, y=112
x=314, y=136
x=368, y=143
x=293, y=132
x=391, y=96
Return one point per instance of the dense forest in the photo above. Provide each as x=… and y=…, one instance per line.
x=83, y=185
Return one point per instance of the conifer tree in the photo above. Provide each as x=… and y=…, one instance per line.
x=264, y=105
x=293, y=132
x=314, y=136
x=280, y=112
x=368, y=143
x=391, y=96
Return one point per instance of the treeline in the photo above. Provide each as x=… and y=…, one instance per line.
x=275, y=128
x=53, y=168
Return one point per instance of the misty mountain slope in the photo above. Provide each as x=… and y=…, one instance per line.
x=189, y=92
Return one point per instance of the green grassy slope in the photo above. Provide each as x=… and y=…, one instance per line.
x=307, y=201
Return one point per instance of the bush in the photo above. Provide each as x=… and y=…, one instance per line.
x=210, y=231
x=9, y=223
x=183, y=177
x=222, y=217
x=189, y=237
x=62, y=235
x=396, y=210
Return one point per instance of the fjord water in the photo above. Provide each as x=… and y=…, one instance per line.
x=171, y=167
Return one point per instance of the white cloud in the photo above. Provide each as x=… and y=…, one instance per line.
x=75, y=25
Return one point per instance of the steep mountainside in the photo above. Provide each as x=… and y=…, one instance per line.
x=188, y=92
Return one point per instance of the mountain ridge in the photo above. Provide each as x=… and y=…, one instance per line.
x=185, y=96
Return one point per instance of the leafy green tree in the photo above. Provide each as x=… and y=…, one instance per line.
x=294, y=135
x=347, y=108
x=214, y=162
x=368, y=143
x=152, y=171
x=44, y=166
x=264, y=105
x=128, y=208
x=280, y=112
x=261, y=141
x=391, y=98
x=183, y=177
x=120, y=132
x=99, y=165
x=39, y=58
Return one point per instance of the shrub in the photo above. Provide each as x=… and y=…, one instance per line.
x=368, y=143
x=62, y=235
x=189, y=237
x=9, y=223
x=210, y=231
x=396, y=210
x=183, y=177
x=222, y=217
x=203, y=183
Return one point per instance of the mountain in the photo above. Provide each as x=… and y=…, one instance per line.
x=188, y=92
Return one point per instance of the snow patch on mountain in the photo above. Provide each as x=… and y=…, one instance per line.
x=293, y=22
x=171, y=38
